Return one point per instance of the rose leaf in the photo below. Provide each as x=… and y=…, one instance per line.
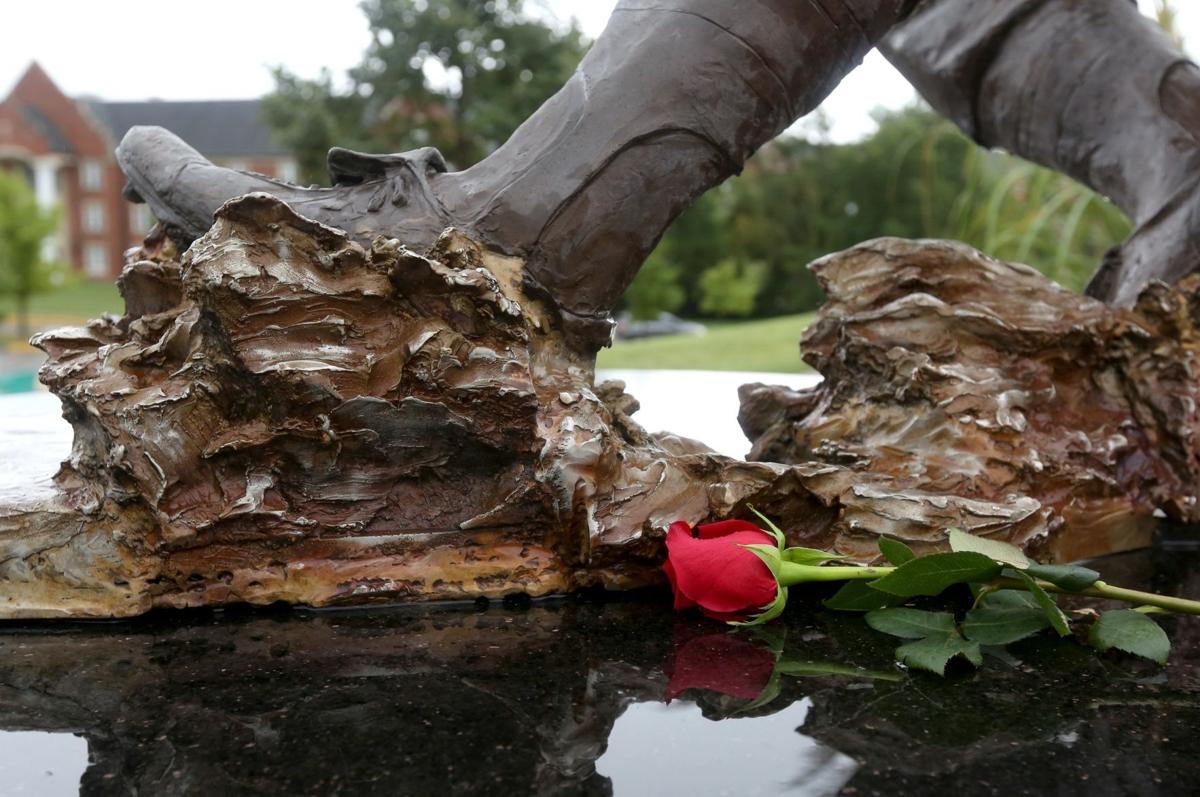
x=933, y=652
x=1072, y=578
x=1132, y=632
x=930, y=575
x=859, y=596
x=1057, y=619
x=1004, y=616
x=993, y=549
x=895, y=551
x=910, y=623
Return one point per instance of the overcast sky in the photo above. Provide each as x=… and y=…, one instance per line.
x=168, y=49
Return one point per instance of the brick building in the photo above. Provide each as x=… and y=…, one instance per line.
x=64, y=147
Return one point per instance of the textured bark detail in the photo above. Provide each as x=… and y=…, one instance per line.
x=981, y=381
x=287, y=415
x=294, y=417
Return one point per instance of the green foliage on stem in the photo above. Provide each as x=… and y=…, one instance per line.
x=1004, y=616
x=1132, y=632
x=859, y=596
x=934, y=652
x=910, y=623
x=895, y=551
x=931, y=575
x=1072, y=578
x=1013, y=599
x=996, y=550
x=1053, y=614
x=999, y=616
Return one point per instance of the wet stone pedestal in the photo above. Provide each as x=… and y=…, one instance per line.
x=570, y=697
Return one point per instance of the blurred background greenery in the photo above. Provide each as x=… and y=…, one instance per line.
x=462, y=74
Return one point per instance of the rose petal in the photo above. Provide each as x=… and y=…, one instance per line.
x=724, y=528
x=681, y=601
x=680, y=526
x=717, y=574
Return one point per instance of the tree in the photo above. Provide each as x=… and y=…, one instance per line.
x=730, y=288
x=917, y=176
x=656, y=288
x=23, y=227
x=460, y=75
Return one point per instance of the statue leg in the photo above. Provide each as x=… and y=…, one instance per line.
x=669, y=101
x=1092, y=89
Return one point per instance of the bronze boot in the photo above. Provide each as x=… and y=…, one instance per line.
x=669, y=101
x=1091, y=88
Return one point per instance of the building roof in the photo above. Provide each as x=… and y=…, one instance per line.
x=43, y=125
x=214, y=127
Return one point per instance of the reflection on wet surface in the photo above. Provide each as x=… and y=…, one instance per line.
x=657, y=749
x=41, y=764
x=569, y=698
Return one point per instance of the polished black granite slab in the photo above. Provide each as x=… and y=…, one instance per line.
x=567, y=697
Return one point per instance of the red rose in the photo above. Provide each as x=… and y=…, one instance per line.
x=712, y=570
x=719, y=663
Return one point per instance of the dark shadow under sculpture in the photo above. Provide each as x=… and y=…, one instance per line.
x=384, y=389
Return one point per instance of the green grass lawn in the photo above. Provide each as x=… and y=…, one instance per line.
x=72, y=305
x=80, y=301
x=83, y=300
x=769, y=345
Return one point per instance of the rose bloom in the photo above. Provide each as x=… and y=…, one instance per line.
x=708, y=568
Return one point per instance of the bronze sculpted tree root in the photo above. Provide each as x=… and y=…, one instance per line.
x=286, y=415
x=384, y=390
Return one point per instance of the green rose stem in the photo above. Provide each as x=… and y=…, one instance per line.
x=791, y=574
x=1102, y=590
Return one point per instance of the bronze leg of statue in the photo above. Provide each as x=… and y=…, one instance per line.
x=669, y=101
x=1090, y=88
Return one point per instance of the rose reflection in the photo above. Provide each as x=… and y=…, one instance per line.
x=729, y=723
x=718, y=662
x=745, y=664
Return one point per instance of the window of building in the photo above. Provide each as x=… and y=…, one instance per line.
x=91, y=175
x=93, y=216
x=140, y=219
x=95, y=261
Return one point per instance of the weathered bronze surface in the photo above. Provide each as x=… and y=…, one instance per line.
x=669, y=101
x=401, y=405
x=958, y=375
x=1091, y=88
x=288, y=416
